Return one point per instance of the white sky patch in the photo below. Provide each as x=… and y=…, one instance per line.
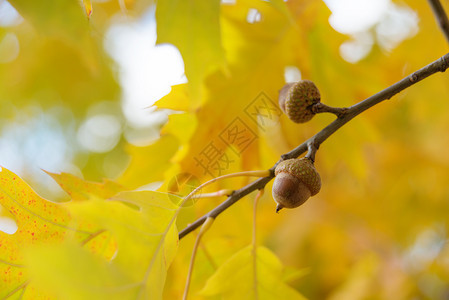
x=8, y=15
x=253, y=16
x=357, y=48
x=99, y=133
x=147, y=71
x=399, y=23
x=425, y=249
x=36, y=141
x=7, y=225
x=350, y=16
x=292, y=74
x=392, y=24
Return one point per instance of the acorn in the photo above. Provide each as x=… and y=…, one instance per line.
x=296, y=181
x=296, y=100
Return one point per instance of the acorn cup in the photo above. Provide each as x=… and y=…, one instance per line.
x=301, y=100
x=296, y=181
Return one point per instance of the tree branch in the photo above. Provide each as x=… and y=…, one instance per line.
x=439, y=65
x=441, y=17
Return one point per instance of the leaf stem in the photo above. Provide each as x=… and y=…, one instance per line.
x=206, y=225
x=259, y=173
x=254, y=241
x=224, y=192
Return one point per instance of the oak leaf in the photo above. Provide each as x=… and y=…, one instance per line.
x=243, y=277
x=122, y=246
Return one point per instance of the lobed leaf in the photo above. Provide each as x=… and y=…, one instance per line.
x=119, y=248
x=38, y=221
x=81, y=190
x=236, y=279
x=146, y=245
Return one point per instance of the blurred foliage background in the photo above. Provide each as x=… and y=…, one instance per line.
x=77, y=92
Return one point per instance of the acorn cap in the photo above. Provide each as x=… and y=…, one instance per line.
x=299, y=99
x=304, y=170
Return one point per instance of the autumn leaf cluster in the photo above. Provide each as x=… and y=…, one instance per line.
x=377, y=229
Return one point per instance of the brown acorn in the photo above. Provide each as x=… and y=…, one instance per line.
x=297, y=99
x=296, y=181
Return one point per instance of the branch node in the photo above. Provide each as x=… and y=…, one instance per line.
x=343, y=112
x=413, y=78
x=311, y=150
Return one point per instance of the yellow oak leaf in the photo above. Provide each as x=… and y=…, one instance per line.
x=69, y=271
x=38, y=221
x=65, y=13
x=149, y=163
x=81, y=190
x=178, y=99
x=62, y=58
x=147, y=239
x=182, y=126
x=243, y=277
x=122, y=245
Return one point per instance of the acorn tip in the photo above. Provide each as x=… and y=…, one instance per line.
x=278, y=208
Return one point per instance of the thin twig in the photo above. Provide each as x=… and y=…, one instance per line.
x=259, y=173
x=254, y=242
x=439, y=65
x=323, y=108
x=220, y=193
x=204, y=228
x=441, y=17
